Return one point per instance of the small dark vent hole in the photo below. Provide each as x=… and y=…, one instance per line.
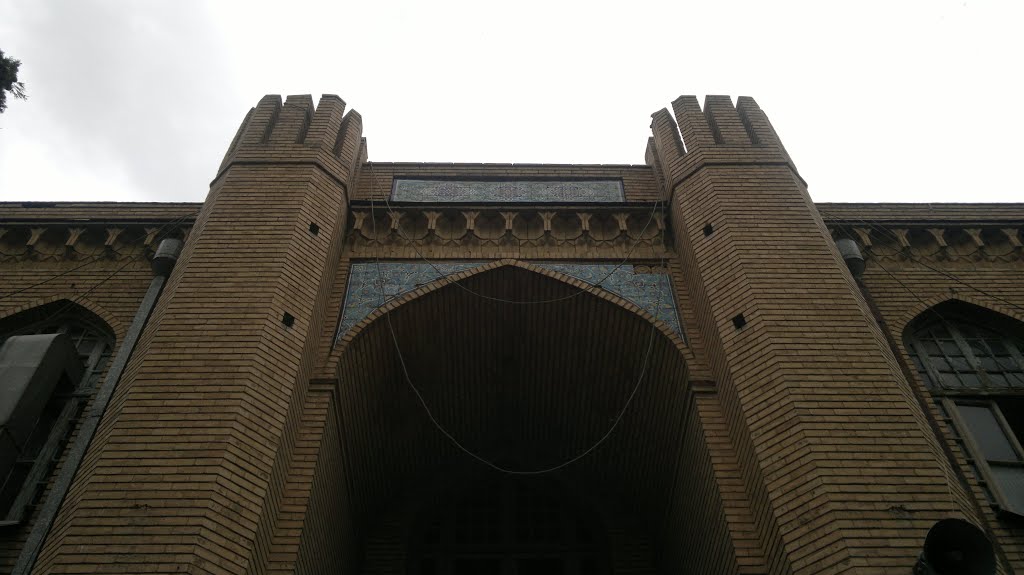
x=739, y=321
x=708, y=230
x=289, y=320
x=313, y=228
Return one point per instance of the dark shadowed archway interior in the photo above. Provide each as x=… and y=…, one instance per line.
x=507, y=525
x=525, y=387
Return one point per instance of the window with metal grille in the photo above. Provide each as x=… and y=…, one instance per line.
x=973, y=361
x=953, y=354
x=507, y=527
x=23, y=482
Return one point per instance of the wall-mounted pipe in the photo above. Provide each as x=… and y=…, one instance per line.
x=163, y=262
x=851, y=255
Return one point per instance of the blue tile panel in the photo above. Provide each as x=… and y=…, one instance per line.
x=650, y=291
x=551, y=191
x=365, y=280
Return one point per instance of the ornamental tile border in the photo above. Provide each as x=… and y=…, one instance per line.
x=562, y=191
x=651, y=291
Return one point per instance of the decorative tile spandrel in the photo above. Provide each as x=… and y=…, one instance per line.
x=649, y=287
x=372, y=284
x=534, y=191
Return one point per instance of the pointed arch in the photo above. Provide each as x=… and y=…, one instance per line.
x=922, y=307
x=90, y=333
x=971, y=358
x=68, y=305
x=590, y=385
x=60, y=384
x=449, y=280
x=961, y=347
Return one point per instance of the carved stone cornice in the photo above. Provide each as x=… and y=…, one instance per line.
x=593, y=231
x=74, y=241
x=931, y=241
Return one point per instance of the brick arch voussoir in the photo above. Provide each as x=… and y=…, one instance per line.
x=914, y=312
x=117, y=329
x=445, y=281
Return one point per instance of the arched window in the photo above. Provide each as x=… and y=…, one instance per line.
x=973, y=361
x=30, y=454
x=956, y=350
x=510, y=526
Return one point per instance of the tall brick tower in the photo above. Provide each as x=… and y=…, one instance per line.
x=189, y=468
x=833, y=445
x=454, y=369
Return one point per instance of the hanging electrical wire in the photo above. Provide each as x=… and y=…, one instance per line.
x=74, y=300
x=931, y=309
x=93, y=259
x=873, y=224
x=947, y=470
x=444, y=431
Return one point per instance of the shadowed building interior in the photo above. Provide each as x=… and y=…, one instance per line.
x=334, y=365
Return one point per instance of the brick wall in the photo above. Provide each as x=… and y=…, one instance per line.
x=905, y=282
x=62, y=259
x=206, y=417
x=792, y=443
x=806, y=377
x=322, y=526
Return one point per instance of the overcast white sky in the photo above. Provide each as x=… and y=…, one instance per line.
x=875, y=101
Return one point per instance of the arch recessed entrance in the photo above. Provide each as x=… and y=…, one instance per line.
x=523, y=387
x=506, y=525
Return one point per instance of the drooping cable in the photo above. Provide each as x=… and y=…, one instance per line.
x=73, y=300
x=93, y=259
x=875, y=225
x=947, y=468
x=946, y=465
x=444, y=431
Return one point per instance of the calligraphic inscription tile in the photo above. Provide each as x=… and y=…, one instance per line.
x=649, y=290
x=371, y=285
x=535, y=191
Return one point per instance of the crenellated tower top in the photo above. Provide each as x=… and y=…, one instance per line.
x=720, y=133
x=296, y=132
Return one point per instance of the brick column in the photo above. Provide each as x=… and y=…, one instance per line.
x=837, y=458
x=186, y=473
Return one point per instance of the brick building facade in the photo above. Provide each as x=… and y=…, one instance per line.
x=364, y=367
